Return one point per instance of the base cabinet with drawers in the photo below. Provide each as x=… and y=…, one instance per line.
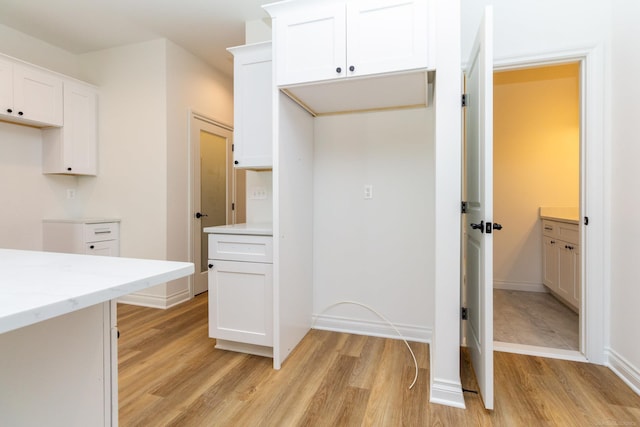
x=561, y=260
x=241, y=292
x=83, y=236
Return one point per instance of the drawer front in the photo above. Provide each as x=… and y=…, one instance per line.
x=568, y=232
x=549, y=228
x=101, y=232
x=233, y=247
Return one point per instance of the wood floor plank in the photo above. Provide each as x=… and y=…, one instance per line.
x=171, y=375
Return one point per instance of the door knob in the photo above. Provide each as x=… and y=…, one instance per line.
x=478, y=226
x=497, y=226
x=200, y=215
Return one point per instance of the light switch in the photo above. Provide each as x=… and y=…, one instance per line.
x=368, y=191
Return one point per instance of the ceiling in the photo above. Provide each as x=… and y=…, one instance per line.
x=203, y=27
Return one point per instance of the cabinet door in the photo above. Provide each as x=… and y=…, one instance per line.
x=37, y=95
x=567, y=272
x=73, y=148
x=550, y=263
x=386, y=36
x=311, y=43
x=253, y=88
x=6, y=88
x=576, y=288
x=241, y=302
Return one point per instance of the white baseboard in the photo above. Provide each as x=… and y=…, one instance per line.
x=447, y=393
x=533, y=350
x=624, y=369
x=372, y=328
x=520, y=286
x=155, y=301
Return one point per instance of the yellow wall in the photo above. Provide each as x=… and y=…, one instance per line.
x=536, y=163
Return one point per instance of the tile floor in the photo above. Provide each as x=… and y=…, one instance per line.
x=534, y=318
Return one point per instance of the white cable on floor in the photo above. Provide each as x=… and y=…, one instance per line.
x=415, y=362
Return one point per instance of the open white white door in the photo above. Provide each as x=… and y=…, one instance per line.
x=478, y=226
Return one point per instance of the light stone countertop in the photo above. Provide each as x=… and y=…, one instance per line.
x=563, y=214
x=36, y=286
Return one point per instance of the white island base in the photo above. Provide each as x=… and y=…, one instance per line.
x=58, y=334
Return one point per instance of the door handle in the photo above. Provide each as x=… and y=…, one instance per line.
x=497, y=226
x=200, y=215
x=478, y=226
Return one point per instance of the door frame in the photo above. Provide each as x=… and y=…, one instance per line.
x=595, y=251
x=194, y=152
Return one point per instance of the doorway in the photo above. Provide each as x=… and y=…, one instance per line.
x=537, y=158
x=217, y=190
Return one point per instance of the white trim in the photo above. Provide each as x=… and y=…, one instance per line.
x=447, y=393
x=520, y=286
x=594, y=172
x=624, y=369
x=155, y=301
x=371, y=328
x=533, y=350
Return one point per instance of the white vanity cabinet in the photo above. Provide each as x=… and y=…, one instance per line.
x=29, y=95
x=325, y=40
x=241, y=290
x=561, y=260
x=88, y=236
x=73, y=149
x=253, y=94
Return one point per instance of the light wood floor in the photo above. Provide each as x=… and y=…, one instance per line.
x=534, y=318
x=170, y=374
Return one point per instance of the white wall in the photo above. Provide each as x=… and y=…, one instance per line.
x=28, y=196
x=380, y=251
x=192, y=85
x=625, y=204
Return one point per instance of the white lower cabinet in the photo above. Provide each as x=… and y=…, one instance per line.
x=89, y=237
x=241, y=293
x=561, y=260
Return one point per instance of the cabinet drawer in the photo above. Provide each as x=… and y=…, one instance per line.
x=234, y=247
x=568, y=232
x=100, y=232
x=549, y=228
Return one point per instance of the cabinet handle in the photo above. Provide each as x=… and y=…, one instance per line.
x=553, y=242
x=338, y=70
x=210, y=265
x=9, y=110
x=69, y=169
x=548, y=228
x=102, y=232
x=91, y=247
x=236, y=162
x=352, y=68
x=20, y=113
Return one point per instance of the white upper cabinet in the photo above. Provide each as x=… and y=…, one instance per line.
x=327, y=40
x=73, y=148
x=29, y=95
x=253, y=87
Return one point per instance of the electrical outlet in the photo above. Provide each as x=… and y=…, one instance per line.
x=258, y=193
x=368, y=191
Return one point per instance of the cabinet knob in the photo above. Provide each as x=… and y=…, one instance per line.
x=352, y=68
x=210, y=265
x=92, y=247
x=9, y=110
x=20, y=113
x=236, y=162
x=69, y=169
x=338, y=70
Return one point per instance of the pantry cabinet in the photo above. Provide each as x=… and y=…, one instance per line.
x=253, y=94
x=561, y=260
x=29, y=95
x=73, y=148
x=327, y=40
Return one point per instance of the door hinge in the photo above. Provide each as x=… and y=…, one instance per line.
x=463, y=207
x=233, y=206
x=586, y=220
x=464, y=99
x=233, y=147
x=464, y=313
